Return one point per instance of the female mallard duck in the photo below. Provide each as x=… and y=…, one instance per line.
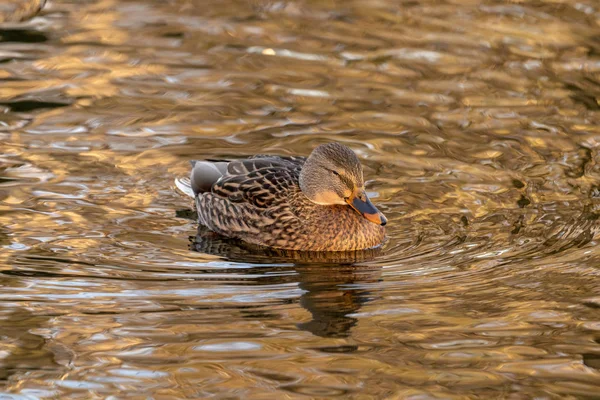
x=295, y=203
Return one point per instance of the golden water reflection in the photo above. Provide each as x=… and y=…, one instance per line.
x=477, y=124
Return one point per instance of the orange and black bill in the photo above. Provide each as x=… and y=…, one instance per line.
x=367, y=209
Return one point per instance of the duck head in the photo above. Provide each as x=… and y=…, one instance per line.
x=331, y=175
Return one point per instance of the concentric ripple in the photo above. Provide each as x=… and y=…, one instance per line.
x=477, y=124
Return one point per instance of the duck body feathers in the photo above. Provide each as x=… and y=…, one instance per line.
x=259, y=201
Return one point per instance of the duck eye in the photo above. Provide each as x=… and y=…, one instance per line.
x=335, y=172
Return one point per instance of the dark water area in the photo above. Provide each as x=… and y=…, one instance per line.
x=477, y=123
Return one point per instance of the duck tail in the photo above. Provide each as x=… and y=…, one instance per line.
x=185, y=186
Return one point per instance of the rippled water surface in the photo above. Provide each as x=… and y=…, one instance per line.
x=478, y=123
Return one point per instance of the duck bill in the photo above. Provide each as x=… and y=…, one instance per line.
x=366, y=209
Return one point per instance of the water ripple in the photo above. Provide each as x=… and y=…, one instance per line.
x=477, y=125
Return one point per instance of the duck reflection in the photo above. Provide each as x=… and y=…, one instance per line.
x=332, y=283
x=332, y=294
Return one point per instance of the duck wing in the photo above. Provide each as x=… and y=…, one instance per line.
x=262, y=187
x=251, y=197
x=206, y=173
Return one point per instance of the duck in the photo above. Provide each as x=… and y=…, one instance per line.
x=316, y=203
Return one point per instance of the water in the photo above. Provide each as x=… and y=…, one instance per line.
x=478, y=127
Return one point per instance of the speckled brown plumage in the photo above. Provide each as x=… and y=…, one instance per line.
x=259, y=201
